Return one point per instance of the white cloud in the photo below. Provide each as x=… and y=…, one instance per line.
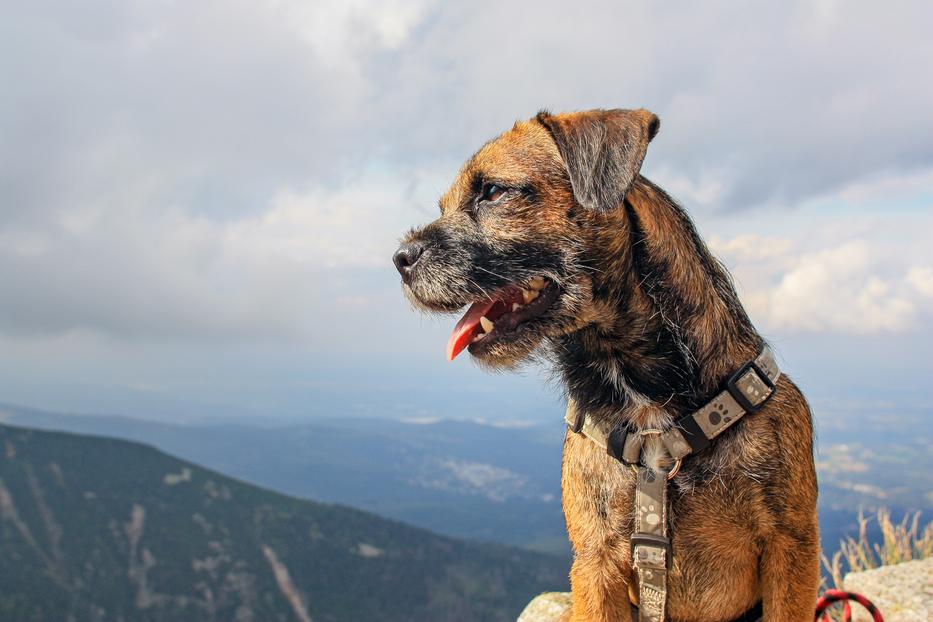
x=831, y=280
x=351, y=227
x=707, y=189
x=116, y=269
x=835, y=290
x=922, y=279
x=793, y=104
x=889, y=186
x=751, y=247
x=344, y=31
x=187, y=169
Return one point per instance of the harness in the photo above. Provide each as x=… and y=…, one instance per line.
x=747, y=391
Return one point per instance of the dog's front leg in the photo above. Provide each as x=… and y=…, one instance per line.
x=599, y=589
x=790, y=576
x=598, y=496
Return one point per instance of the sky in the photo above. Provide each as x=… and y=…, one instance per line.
x=199, y=200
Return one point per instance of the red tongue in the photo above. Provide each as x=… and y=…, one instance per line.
x=465, y=329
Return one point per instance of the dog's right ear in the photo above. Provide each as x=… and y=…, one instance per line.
x=602, y=150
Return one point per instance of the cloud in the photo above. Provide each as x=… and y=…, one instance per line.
x=210, y=106
x=232, y=170
x=835, y=289
x=922, y=279
x=791, y=104
x=171, y=273
x=832, y=281
x=753, y=247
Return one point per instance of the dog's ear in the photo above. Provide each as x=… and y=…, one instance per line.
x=602, y=150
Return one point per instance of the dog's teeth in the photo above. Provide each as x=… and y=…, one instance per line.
x=529, y=295
x=515, y=307
x=486, y=323
x=537, y=283
x=478, y=337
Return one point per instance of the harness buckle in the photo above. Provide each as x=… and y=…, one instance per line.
x=644, y=558
x=748, y=383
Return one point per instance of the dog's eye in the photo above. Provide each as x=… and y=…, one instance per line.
x=492, y=192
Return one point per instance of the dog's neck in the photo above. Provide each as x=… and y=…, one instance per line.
x=669, y=327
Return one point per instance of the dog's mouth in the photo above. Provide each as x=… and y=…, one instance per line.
x=502, y=316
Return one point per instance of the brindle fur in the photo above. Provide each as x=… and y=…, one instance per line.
x=647, y=328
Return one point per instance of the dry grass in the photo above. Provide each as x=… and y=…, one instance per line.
x=901, y=542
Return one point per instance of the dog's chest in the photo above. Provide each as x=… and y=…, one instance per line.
x=713, y=529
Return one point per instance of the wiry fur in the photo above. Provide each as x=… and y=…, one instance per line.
x=647, y=328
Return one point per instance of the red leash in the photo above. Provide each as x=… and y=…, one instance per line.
x=830, y=597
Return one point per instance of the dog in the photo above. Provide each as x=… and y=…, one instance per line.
x=564, y=254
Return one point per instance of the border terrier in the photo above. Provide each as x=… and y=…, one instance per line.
x=562, y=252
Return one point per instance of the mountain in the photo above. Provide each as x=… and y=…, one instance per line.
x=459, y=478
x=105, y=529
x=481, y=481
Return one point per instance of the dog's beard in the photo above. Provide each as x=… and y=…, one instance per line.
x=516, y=294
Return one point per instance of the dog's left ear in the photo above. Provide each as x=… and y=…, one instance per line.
x=602, y=150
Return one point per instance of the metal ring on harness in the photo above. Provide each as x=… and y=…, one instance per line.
x=677, y=463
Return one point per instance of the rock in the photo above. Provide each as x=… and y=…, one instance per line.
x=547, y=607
x=902, y=592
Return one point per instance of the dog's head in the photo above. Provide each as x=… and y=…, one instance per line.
x=516, y=228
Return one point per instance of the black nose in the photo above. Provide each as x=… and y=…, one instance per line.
x=406, y=257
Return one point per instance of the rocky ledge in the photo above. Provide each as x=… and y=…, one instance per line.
x=902, y=592
x=547, y=607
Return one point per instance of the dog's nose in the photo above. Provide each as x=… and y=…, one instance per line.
x=406, y=257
